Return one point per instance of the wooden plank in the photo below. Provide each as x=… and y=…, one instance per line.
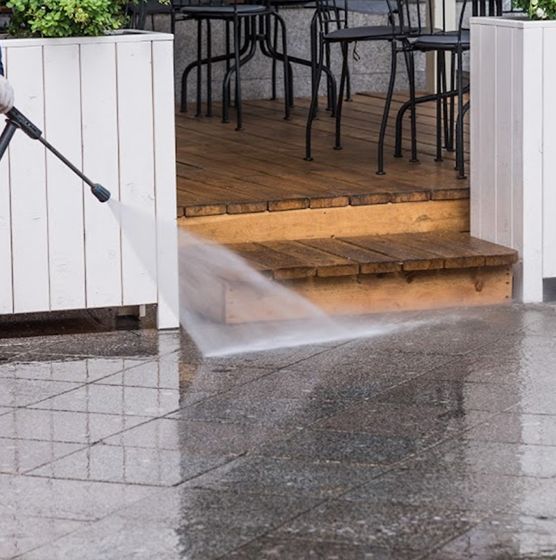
x=278, y=264
x=135, y=102
x=66, y=243
x=326, y=264
x=165, y=185
x=398, y=291
x=329, y=222
x=412, y=258
x=101, y=161
x=29, y=199
x=369, y=261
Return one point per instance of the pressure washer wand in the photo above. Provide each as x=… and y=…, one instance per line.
x=17, y=120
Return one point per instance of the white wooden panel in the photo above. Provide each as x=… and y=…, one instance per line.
x=517, y=140
x=532, y=165
x=549, y=152
x=28, y=182
x=6, y=292
x=135, y=118
x=62, y=104
x=165, y=183
x=101, y=164
x=503, y=135
x=475, y=178
x=487, y=99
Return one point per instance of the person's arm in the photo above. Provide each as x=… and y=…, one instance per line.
x=6, y=95
x=6, y=91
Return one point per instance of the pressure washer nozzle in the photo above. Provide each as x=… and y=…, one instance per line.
x=102, y=194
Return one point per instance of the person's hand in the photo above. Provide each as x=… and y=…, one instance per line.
x=6, y=95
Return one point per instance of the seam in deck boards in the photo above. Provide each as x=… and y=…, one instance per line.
x=261, y=169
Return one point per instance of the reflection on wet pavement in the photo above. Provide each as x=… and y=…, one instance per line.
x=438, y=443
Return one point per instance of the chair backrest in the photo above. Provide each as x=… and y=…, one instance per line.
x=485, y=8
x=416, y=17
x=331, y=14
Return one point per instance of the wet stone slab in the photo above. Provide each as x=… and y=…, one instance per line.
x=436, y=441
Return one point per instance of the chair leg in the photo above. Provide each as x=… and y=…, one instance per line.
x=199, y=66
x=314, y=101
x=209, y=68
x=410, y=62
x=460, y=148
x=343, y=79
x=387, y=104
x=239, y=110
x=288, y=94
x=274, y=60
x=451, y=112
x=439, y=103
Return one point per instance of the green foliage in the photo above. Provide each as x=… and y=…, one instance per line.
x=66, y=18
x=538, y=9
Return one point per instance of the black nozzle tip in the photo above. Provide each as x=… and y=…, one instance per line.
x=102, y=194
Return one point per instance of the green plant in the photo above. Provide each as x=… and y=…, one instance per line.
x=538, y=9
x=67, y=18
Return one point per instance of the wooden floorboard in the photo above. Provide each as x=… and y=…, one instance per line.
x=222, y=171
x=372, y=254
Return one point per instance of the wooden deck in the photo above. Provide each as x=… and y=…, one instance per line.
x=261, y=169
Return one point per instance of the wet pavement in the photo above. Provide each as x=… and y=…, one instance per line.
x=434, y=443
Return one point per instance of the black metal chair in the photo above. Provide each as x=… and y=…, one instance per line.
x=330, y=26
x=249, y=26
x=420, y=35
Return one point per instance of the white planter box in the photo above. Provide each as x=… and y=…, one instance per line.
x=513, y=143
x=107, y=103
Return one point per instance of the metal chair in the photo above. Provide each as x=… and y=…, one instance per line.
x=248, y=25
x=332, y=14
x=419, y=34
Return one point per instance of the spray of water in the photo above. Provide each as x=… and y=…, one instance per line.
x=268, y=315
x=271, y=315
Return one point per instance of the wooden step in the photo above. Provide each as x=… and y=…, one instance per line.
x=372, y=218
x=366, y=274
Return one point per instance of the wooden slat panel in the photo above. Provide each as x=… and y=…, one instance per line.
x=66, y=241
x=135, y=102
x=165, y=185
x=6, y=288
x=29, y=199
x=101, y=162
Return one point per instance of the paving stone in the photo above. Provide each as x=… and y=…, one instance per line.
x=197, y=437
x=51, y=367
x=65, y=499
x=342, y=447
x=417, y=529
x=130, y=465
x=20, y=534
x=120, y=400
x=504, y=538
x=25, y=392
x=20, y=455
x=61, y=426
x=272, y=475
x=270, y=548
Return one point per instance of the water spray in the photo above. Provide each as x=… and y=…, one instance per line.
x=16, y=120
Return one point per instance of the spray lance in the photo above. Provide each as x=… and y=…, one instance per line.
x=15, y=120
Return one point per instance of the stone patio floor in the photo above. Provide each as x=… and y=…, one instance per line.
x=437, y=443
